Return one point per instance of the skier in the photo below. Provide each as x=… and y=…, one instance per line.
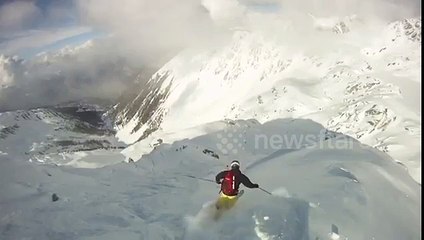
x=230, y=181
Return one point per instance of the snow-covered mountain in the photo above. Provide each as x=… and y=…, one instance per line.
x=319, y=192
x=367, y=88
x=324, y=118
x=68, y=134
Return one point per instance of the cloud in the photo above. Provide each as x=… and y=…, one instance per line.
x=18, y=42
x=226, y=12
x=387, y=10
x=16, y=15
x=74, y=73
x=146, y=34
x=59, y=13
x=28, y=24
x=155, y=28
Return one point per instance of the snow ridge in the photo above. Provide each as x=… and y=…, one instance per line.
x=365, y=91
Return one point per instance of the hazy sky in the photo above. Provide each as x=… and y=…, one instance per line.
x=132, y=34
x=28, y=27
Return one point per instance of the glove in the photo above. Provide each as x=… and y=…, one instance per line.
x=255, y=185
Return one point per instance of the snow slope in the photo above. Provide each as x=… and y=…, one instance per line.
x=324, y=180
x=72, y=134
x=365, y=87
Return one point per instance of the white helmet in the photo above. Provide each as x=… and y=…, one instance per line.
x=235, y=164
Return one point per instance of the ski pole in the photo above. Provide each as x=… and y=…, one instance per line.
x=265, y=191
x=199, y=178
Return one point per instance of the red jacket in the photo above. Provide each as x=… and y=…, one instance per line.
x=239, y=178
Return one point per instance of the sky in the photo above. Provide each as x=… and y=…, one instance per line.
x=30, y=27
x=133, y=37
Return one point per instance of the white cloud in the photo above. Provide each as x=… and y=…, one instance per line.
x=147, y=33
x=7, y=71
x=76, y=73
x=28, y=39
x=152, y=29
x=260, y=1
x=59, y=12
x=377, y=9
x=24, y=25
x=17, y=15
x=225, y=11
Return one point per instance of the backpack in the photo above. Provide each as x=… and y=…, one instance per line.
x=229, y=186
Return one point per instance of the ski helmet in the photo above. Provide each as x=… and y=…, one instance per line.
x=235, y=164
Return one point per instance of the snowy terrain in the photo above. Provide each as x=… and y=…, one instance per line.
x=366, y=88
x=73, y=134
x=330, y=188
x=325, y=119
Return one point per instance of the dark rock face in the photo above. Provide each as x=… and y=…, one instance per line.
x=146, y=108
